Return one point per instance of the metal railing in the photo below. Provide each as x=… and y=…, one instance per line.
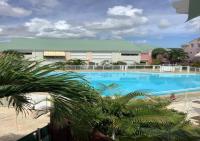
x=145, y=68
x=41, y=134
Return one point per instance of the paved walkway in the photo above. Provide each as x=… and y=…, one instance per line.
x=188, y=103
x=13, y=127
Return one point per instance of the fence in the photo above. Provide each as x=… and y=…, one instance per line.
x=151, y=68
x=38, y=135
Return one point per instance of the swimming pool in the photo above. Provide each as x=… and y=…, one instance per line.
x=154, y=83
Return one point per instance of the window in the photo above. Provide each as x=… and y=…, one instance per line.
x=129, y=54
x=54, y=57
x=26, y=53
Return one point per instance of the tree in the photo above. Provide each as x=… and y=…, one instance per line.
x=14, y=53
x=69, y=92
x=119, y=63
x=160, y=55
x=105, y=62
x=76, y=62
x=127, y=118
x=177, y=56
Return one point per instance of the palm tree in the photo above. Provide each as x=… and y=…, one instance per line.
x=14, y=53
x=129, y=118
x=68, y=91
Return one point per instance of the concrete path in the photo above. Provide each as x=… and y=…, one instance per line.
x=13, y=127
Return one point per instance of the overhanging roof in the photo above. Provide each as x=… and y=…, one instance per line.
x=190, y=7
x=181, y=6
x=53, y=44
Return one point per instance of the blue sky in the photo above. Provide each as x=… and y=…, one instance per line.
x=140, y=21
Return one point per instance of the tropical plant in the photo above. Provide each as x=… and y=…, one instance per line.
x=69, y=91
x=75, y=62
x=195, y=64
x=13, y=53
x=159, y=52
x=177, y=56
x=156, y=62
x=127, y=118
x=119, y=63
x=105, y=62
x=91, y=63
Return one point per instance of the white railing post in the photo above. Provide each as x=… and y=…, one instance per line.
x=125, y=68
x=154, y=68
x=188, y=69
x=181, y=68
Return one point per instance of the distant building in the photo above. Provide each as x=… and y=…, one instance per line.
x=192, y=48
x=55, y=50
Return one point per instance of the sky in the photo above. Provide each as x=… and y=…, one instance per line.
x=152, y=22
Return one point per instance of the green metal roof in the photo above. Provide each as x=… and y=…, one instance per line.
x=52, y=44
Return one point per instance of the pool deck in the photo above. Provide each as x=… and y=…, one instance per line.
x=188, y=103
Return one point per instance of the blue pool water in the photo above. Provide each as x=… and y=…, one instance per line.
x=154, y=83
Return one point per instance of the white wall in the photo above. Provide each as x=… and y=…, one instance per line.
x=128, y=59
x=35, y=56
x=96, y=57
x=78, y=55
x=99, y=57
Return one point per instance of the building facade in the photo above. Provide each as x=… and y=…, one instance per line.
x=192, y=48
x=96, y=51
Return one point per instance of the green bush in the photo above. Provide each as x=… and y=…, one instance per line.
x=195, y=64
x=156, y=62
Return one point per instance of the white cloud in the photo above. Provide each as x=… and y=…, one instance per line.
x=128, y=11
x=38, y=25
x=8, y=10
x=62, y=25
x=59, y=29
x=131, y=31
x=1, y=30
x=164, y=23
x=195, y=25
x=120, y=17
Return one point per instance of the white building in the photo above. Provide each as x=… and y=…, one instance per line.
x=55, y=50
